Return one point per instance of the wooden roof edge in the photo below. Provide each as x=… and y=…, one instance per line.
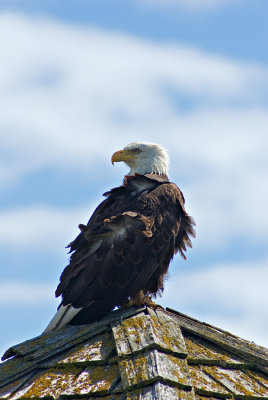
x=68, y=334
x=223, y=338
x=28, y=355
x=42, y=347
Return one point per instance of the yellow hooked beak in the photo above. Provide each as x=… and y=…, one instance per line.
x=121, y=155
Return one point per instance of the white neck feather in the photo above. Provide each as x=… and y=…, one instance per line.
x=157, y=167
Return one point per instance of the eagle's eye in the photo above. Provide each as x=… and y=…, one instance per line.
x=135, y=151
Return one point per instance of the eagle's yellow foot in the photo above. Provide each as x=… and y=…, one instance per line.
x=150, y=303
x=138, y=300
x=141, y=300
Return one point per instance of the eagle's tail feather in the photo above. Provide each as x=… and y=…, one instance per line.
x=62, y=317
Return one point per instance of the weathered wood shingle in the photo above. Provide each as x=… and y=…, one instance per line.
x=140, y=354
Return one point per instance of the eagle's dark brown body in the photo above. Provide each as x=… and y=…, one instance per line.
x=126, y=246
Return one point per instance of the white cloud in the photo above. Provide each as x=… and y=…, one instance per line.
x=26, y=294
x=47, y=228
x=230, y=296
x=71, y=96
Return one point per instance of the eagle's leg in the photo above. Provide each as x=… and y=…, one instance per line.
x=141, y=300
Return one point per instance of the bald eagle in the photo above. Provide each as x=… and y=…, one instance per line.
x=123, y=253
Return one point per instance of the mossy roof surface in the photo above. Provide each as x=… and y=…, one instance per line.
x=136, y=354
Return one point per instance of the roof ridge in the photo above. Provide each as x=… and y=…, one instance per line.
x=225, y=339
x=30, y=353
x=168, y=309
x=134, y=351
x=75, y=332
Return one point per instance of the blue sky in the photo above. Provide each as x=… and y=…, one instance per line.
x=81, y=79
x=236, y=28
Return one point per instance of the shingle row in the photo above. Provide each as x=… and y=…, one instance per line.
x=136, y=354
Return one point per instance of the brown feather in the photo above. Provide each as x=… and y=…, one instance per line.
x=126, y=246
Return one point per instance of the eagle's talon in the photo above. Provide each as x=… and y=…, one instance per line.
x=150, y=303
x=141, y=300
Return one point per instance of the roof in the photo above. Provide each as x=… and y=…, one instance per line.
x=136, y=354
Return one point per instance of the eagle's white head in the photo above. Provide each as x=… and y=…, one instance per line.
x=144, y=158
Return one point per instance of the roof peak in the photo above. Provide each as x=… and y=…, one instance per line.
x=137, y=349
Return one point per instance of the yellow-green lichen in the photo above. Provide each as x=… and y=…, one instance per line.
x=134, y=323
x=71, y=380
x=179, y=370
x=96, y=379
x=134, y=371
x=132, y=327
x=161, y=332
x=96, y=350
x=52, y=383
x=261, y=378
x=237, y=381
x=166, y=337
x=199, y=353
x=204, y=383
